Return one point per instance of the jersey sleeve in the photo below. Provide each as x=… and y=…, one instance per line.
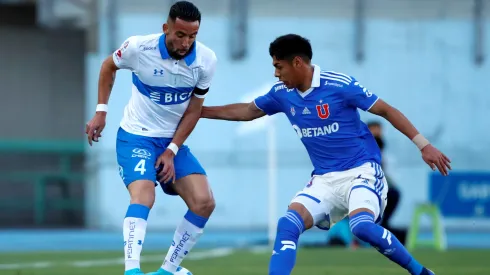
x=359, y=97
x=268, y=103
x=127, y=56
x=207, y=74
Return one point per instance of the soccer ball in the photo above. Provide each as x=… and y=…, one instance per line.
x=182, y=271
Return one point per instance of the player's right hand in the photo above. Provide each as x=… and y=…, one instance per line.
x=94, y=127
x=168, y=172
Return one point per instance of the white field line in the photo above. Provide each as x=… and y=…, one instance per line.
x=198, y=255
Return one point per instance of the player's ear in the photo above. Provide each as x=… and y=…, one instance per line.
x=296, y=62
x=165, y=28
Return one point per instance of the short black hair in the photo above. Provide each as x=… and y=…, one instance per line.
x=184, y=10
x=289, y=46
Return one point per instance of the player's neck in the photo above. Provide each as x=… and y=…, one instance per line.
x=308, y=78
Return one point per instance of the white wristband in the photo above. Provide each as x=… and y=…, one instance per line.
x=173, y=147
x=420, y=141
x=102, y=108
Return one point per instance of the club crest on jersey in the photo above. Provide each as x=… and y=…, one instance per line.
x=293, y=111
x=323, y=111
x=310, y=183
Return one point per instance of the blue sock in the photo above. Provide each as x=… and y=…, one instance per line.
x=362, y=226
x=283, y=257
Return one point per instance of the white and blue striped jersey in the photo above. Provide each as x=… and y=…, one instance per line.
x=327, y=120
x=162, y=86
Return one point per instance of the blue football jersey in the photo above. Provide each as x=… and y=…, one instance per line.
x=327, y=120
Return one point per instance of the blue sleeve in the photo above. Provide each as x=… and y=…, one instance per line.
x=268, y=103
x=359, y=97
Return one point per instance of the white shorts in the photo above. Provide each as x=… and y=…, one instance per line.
x=332, y=196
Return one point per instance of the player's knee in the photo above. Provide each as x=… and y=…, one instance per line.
x=304, y=214
x=203, y=206
x=142, y=192
x=362, y=224
x=291, y=224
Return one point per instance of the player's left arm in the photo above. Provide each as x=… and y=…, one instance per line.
x=188, y=121
x=193, y=112
x=364, y=99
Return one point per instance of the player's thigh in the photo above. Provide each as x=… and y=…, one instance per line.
x=142, y=192
x=136, y=158
x=368, y=191
x=314, y=203
x=185, y=164
x=194, y=189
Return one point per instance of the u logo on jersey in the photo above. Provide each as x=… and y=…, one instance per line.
x=322, y=111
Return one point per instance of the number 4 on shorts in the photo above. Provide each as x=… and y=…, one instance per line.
x=140, y=167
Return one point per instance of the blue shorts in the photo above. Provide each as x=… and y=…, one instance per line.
x=136, y=156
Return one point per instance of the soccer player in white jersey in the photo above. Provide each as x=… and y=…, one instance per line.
x=171, y=75
x=347, y=179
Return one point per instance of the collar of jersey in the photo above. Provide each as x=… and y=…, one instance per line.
x=189, y=58
x=315, y=82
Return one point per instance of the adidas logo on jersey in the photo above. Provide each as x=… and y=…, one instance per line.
x=306, y=111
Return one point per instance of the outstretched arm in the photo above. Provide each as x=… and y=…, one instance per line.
x=396, y=118
x=233, y=112
x=433, y=157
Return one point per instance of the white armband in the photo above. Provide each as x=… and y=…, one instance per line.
x=102, y=108
x=173, y=147
x=420, y=141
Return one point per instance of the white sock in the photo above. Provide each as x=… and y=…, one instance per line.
x=134, y=230
x=185, y=238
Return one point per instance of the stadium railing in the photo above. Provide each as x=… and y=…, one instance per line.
x=61, y=175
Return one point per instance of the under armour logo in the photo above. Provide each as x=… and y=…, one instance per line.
x=157, y=72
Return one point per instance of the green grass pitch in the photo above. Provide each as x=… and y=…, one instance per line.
x=244, y=262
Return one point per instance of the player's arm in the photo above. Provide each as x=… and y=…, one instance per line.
x=233, y=112
x=430, y=154
x=193, y=111
x=267, y=104
x=107, y=76
x=189, y=120
x=360, y=97
x=398, y=120
x=126, y=57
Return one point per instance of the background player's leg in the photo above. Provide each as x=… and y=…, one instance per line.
x=196, y=192
x=364, y=208
x=308, y=208
x=297, y=220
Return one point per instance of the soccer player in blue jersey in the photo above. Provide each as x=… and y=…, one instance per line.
x=171, y=75
x=347, y=179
